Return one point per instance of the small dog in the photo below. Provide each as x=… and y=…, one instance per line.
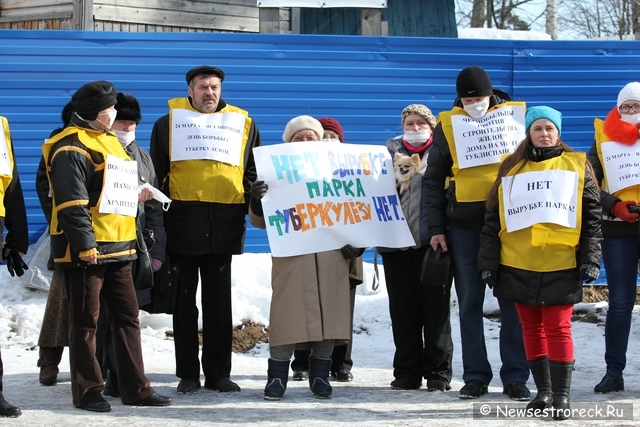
x=405, y=167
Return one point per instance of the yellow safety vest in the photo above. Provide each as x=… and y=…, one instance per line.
x=544, y=246
x=472, y=184
x=107, y=227
x=629, y=193
x=5, y=179
x=207, y=180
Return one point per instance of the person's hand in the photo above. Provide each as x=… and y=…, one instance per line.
x=589, y=272
x=439, y=240
x=91, y=259
x=15, y=264
x=258, y=190
x=490, y=278
x=621, y=210
x=144, y=195
x=349, y=252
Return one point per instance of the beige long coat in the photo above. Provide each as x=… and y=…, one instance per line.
x=310, y=300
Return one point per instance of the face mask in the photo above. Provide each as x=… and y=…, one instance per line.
x=333, y=141
x=112, y=119
x=478, y=109
x=416, y=138
x=125, y=138
x=634, y=119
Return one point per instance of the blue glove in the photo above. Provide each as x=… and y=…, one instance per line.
x=15, y=264
x=589, y=272
x=490, y=278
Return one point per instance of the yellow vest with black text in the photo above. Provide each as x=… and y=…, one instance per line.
x=472, y=184
x=107, y=227
x=5, y=179
x=629, y=193
x=207, y=180
x=544, y=247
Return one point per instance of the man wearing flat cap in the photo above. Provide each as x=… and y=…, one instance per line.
x=468, y=143
x=202, y=152
x=93, y=230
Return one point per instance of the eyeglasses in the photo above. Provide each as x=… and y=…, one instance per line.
x=625, y=108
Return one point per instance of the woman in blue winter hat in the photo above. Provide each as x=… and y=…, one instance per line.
x=540, y=241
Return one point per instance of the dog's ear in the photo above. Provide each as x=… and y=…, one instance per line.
x=415, y=159
x=397, y=156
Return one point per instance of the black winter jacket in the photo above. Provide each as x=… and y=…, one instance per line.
x=197, y=228
x=544, y=288
x=443, y=208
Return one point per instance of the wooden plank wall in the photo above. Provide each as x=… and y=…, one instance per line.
x=140, y=16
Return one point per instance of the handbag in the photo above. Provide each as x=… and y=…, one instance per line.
x=437, y=269
x=141, y=268
x=165, y=291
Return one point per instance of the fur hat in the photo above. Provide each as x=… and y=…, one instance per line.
x=332, y=124
x=128, y=107
x=630, y=92
x=420, y=110
x=92, y=98
x=302, y=123
x=543, y=112
x=473, y=82
x=204, y=69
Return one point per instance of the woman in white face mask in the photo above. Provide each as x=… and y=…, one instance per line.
x=419, y=312
x=617, y=142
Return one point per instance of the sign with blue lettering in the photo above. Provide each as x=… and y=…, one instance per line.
x=322, y=196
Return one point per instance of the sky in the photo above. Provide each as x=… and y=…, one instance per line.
x=367, y=401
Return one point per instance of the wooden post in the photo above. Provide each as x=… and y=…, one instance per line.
x=270, y=20
x=371, y=22
x=83, y=15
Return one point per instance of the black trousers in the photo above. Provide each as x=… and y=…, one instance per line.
x=217, y=328
x=341, y=355
x=419, y=319
x=86, y=288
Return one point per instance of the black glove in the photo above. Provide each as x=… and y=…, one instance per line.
x=15, y=264
x=589, y=272
x=349, y=252
x=258, y=190
x=490, y=278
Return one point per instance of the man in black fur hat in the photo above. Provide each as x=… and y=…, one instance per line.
x=93, y=230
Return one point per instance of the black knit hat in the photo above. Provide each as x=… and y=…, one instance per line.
x=473, y=82
x=128, y=108
x=204, y=69
x=67, y=111
x=92, y=98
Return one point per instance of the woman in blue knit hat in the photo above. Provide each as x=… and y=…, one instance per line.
x=540, y=241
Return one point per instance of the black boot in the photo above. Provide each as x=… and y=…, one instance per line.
x=278, y=375
x=48, y=363
x=561, y=385
x=541, y=376
x=319, y=377
x=7, y=409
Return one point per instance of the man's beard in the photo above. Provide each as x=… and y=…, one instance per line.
x=207, y=108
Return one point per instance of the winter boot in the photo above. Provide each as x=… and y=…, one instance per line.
x=111, y=385
x=319, y=377
x=48, y=363
x=561, y=384
x=7, y=409
x=278, y=375
x=540, y=371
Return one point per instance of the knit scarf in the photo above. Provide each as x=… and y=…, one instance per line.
x=421, y=149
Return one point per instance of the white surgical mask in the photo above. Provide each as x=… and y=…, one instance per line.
x=112, y=119
x=125, y=138
x=477, y=110
x=331, y=140
x=634, y=119
x=416, y=138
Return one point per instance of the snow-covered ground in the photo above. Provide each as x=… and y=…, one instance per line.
x=367, y=401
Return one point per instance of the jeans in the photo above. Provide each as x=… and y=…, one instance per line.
x=620, y=254
x=470, y=289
